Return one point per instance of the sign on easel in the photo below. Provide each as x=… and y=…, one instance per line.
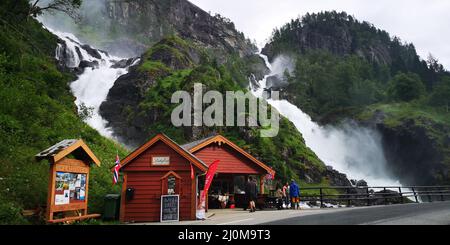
x=170, y=208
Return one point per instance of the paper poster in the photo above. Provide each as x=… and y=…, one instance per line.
x=59, y=200
x=82, y=194
x=83, y=180
x=66, y=197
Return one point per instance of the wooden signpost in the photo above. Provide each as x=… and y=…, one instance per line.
x=170, y=208
x=68, y=186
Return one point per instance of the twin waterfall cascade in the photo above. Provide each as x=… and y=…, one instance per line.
x=350, y=149
x=95, y=79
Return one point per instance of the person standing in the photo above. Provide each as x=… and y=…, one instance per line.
x=294, y=191
x=280, y=198
x=251, y=193
x=286, y=194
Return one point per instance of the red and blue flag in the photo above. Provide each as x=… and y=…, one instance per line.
x=116, y=170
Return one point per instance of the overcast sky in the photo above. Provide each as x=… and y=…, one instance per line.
x=425, y=23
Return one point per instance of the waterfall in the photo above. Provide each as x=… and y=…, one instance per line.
x=96, y=76
x=350, y=149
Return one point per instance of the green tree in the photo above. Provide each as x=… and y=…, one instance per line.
x=406, y=87
x=68, y=7
x=441, y=94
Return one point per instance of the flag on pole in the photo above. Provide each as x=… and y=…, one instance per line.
x=116, y=170
x=201, y=207
x=209, y=178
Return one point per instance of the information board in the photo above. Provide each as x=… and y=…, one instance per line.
x=170, y=208
x=70, y=188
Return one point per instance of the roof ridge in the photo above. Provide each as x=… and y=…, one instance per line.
x=195, y=143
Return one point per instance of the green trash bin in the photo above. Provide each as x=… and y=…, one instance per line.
x=112, y=207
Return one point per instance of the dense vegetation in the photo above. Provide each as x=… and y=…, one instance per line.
x=37, y=110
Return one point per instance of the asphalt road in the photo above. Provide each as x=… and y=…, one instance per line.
x=437, y=213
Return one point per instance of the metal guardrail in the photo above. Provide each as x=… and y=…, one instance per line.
x=369, y=196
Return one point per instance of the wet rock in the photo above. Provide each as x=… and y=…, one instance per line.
x=336, y=178
x=89, y=64
x=92, y=51
x=124, y=63
x=361, y=183
x=416, y=151
x=276, y=82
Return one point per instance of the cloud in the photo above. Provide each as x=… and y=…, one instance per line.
x=423, y=23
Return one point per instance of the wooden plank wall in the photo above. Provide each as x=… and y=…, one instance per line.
x=147, y=182
x=231, y=161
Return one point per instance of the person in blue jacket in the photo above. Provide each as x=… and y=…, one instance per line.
x=294, y=191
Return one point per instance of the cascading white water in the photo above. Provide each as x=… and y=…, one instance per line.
x=350, y=149
x=92, y=86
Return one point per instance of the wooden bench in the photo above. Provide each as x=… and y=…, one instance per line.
x=74, y=218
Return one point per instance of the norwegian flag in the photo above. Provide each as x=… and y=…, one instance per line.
x=116, y=170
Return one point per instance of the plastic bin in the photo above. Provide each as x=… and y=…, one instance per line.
x=112, y=207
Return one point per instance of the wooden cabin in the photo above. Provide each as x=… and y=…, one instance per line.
x=161, y=167
x=236, y=165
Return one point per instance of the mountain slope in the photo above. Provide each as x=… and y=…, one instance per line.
x=139, y=106
x=37, y=111
x=129, y=27
x=342, y=35
x=344, y=68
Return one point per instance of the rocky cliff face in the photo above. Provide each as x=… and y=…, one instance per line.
x=341, y=34
x=417, y=148
x=130, y=90
x=146, y=22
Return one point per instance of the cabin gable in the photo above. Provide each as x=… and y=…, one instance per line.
x=144, y=162
x=231, y=161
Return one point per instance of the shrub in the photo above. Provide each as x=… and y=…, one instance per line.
x=406, y=87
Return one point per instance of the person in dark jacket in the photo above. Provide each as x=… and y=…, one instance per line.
x=294, y=191
x=251, y=193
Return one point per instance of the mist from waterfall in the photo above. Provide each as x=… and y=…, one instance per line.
x=349, y=148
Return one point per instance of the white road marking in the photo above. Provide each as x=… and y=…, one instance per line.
x=236, y=221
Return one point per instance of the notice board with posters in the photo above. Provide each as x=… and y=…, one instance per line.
x=70, y=188
x=170, y=208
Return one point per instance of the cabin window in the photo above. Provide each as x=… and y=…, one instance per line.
x=171, y=185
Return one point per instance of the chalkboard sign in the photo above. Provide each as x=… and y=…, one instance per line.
x=170, y=208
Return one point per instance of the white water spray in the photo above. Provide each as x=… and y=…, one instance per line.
x=92, y=86
x=350, y=149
